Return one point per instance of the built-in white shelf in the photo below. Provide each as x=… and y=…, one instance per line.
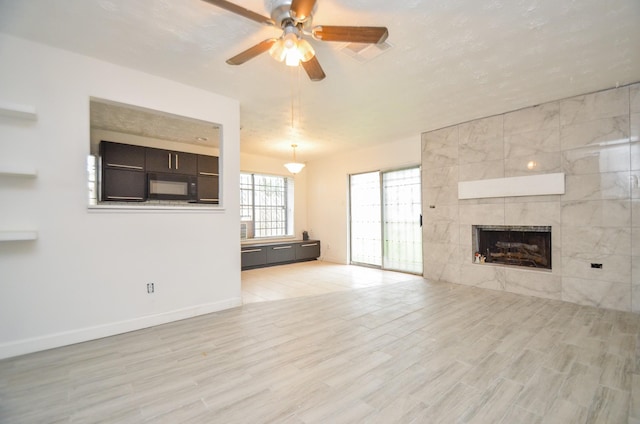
x=14, y=110
x=18, y=235
x=529, y=185
x=18, y=172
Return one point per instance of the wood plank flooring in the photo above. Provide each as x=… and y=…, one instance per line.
x=309, y=279
x=409, y=351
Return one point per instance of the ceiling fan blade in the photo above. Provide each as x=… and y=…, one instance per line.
x=351, y=34
x=252, y=52
x=313, y=69
x=239, y=10
x=301, y=9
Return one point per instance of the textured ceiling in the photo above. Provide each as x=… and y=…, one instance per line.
x=449, y=60
x=112, y=116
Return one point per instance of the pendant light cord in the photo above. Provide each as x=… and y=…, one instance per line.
x=296, y=85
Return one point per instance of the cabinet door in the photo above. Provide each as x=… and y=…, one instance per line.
x=281, y=253
x=158, y=160
x=208, y=190
x=307, y=250
x=122, y=156
x=123, y=185
x=207, y=165
x=185, y=163
x=253, y=256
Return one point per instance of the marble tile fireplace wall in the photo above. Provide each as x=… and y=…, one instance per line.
x=594, y=140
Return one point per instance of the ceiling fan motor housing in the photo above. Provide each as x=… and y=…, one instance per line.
x=281, y=11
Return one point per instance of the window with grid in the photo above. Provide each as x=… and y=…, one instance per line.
x=266, y=205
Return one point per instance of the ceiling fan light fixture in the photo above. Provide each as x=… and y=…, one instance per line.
x=293, y=57
x=278, y=51
x=290, y=40
x=305, y=50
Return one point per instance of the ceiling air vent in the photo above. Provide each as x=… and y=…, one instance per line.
x=363, y=52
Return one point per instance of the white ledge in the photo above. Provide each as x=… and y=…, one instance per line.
x=18, y=172
x=530, y=185
x=135, y=208
x=13, y=110
x=18, y=235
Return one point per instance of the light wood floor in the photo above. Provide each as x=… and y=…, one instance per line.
x=311, y=278
x=406, y=351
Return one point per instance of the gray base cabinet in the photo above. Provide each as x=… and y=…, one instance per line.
x=254, y=256
x=268, y=254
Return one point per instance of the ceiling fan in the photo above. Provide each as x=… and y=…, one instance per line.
x=294, y=17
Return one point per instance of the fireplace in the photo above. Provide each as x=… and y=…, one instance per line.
x=526, y=246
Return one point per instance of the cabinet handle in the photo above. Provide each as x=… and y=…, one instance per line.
x=308, y=245
x=177, y=165
x=117, y=165
x=209, y=174
x=281, y=247
x=124, y=198
x=252, y=250
x=169, y=160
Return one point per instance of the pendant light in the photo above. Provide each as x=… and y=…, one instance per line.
x=294, y=167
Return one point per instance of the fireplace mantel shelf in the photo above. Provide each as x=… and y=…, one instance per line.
x=529, y=185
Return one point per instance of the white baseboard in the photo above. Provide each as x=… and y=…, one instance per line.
x=50, y=341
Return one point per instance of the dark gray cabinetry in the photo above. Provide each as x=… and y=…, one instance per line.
x=168, y=161
x=307, y=250
x=208, y=179
x=123, y=176
x=268, y=254
x=281, y=253
x=254, y=256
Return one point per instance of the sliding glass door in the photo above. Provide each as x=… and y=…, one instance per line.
x=385, y=220
x=401, y=211
x=366, y=239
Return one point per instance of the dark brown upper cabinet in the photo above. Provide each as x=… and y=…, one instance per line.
x=207, y=165
x=158, y=160
x=122, y=156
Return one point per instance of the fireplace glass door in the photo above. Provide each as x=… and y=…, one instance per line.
x=526, y=246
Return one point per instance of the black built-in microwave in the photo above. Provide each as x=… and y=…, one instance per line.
x=162, y=186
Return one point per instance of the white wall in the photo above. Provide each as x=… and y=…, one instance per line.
x=328, y=190
x=85, y=276
x=271, y=166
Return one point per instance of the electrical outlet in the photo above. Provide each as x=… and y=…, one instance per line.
x=150, y=288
